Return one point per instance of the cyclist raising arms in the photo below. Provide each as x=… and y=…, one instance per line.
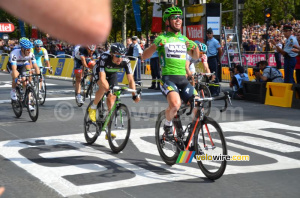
x=83, y=59
x=105, y=73
x=172, y=48
x=21, y=60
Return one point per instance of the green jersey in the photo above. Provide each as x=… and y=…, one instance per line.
x=172, y=53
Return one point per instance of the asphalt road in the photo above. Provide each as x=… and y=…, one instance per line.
x=50, y=158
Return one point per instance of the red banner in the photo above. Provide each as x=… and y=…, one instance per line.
x=195, y=32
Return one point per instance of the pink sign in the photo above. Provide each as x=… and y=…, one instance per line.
x=252, y=59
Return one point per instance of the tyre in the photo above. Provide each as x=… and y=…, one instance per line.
x=91, y=129
x=168, y=150
x=17, y=104
x=204, y=92
x=42, y=91
x=120, y=126
x=209, y=141
x=32, y=100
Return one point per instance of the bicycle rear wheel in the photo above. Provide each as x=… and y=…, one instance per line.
x=205, y=93
x=119, y=126
x=17, y=104
x=43, y=89
x=32, y=100
x=210, y=141
x=167, y=149
x=91, y=129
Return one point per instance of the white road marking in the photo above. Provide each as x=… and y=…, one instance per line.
x=53, y=176
x=73, y=97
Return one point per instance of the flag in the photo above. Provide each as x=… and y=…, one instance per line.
x=156, y=18
x=34, y=32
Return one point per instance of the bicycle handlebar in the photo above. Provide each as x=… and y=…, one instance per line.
x=118, y=88
x=225, y=98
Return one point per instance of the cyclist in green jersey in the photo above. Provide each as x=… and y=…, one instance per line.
x=172, y=49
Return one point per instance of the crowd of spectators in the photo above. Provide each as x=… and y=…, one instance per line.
x=53, y=46
x=254, y=36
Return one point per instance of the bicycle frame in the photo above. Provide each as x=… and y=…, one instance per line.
x=116, y=103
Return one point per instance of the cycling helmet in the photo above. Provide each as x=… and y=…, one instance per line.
x=38, y=43
x=117, y=48
x=171, y=11
x=202, y=47
x=91, y=47
x=26, y=44
x=23, y=38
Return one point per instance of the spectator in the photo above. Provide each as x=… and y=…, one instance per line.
x=238, y=76
x=129, y=46
x=137, y=52
x=155, y=70
x=297, y=67
x=277, y=54
x=213, y=51
x=270, y=74
x=289, y=55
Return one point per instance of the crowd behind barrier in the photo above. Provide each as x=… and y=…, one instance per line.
x=63, y=67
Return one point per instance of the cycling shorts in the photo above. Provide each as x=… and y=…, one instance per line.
x=20, y=69
x=180, y=84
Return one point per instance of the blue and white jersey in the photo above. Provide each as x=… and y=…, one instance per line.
x=16, y=58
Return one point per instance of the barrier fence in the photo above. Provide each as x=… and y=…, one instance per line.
x=63, y=67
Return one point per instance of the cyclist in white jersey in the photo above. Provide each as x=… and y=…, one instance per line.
x=21, y=60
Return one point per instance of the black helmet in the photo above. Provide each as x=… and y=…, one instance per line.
x=118, y=48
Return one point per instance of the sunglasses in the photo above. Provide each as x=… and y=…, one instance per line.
x=38, y=46
x=175, y=17
x=119, y=56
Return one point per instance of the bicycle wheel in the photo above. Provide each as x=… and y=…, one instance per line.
x=31, y=99
x=167, y=149
x=43, y=89
x=210, y=141
x=91, y=129
x=17, y=104
x=120, y=126
x=204, y=92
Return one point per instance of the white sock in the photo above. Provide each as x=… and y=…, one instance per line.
x=168, y=123
x=93, y=106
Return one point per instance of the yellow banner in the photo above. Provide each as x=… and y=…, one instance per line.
x=3, y=62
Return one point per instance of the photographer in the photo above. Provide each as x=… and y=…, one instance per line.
x=238, y=76
x=269, y=74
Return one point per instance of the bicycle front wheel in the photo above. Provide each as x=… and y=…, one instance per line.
x=119, y=128
x=91, y=129
x=210, y=142
x=17, y=104
x=33, y=102
x=167, y=149
x=42, y=92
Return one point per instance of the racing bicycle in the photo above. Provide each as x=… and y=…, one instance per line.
x=203, y=135
x=25, y=98
x=117, y=121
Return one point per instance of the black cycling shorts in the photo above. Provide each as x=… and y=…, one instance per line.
x=180, y=84
x=20, y=69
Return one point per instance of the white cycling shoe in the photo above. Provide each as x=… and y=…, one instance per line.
x=31, y=108
x=13, y=95
x=79, y=99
